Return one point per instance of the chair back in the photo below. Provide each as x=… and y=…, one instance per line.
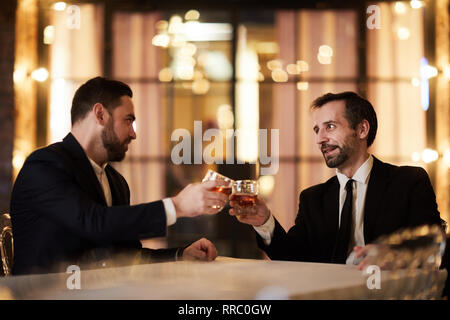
x=6, y=244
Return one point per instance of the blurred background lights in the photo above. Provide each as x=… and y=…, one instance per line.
x=165, y=75
x=429, y=155
x=216, y=66
x=416, y=4
x=425, y=73
x=183, y=71
x=293, y=69
x=18, y=159
x=49, y=34
x=161, y=40
x=189, y=49
x=175, y=24
x=302, y=85
x=266, y=185
x=19, y=75
x=200, y=86
x=415, y=82
x=192, y=28
x=403, y=33
x=192, y=15
x=279, y=75
x=446, y=157
x=274, y=64
x=446, y=72
x=323, y=59
x=400, y=7
x=303, y=65
x=198, y=75
x=59, y=6
x=40, y=74
x=225, y=117
x=162, y=25
x=325, y=51
x=428, y=71
x=260, y=77
x=415, y=156
x=178, y=40
x=325, y=54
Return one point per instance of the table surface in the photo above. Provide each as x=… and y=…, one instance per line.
x=223, y=279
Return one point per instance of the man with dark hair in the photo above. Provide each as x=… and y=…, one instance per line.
x=366, y=199
x=69, y=206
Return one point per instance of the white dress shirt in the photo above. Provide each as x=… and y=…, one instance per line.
x=360, y=184
x=100, y=172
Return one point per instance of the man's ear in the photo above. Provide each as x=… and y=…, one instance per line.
x=100, y=113
x=363, y=129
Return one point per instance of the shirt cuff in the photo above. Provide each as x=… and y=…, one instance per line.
x=266, y=230
x=171, y=214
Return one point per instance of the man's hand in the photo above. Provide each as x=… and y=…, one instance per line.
x=196, y=199
x=256, y=215
x=202, y=249
x=362, y=253
x=379, y=253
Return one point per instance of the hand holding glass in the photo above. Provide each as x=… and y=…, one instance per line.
x=245, y=193
x=225, y=183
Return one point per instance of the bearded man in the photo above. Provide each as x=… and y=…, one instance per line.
x=70, y=207
x=367, y=198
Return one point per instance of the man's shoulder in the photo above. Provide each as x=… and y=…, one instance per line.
x=320, y=188
x=406, y=172
x=52, y=152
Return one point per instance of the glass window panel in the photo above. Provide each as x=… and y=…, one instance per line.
x=395, y=49
x=150, y=119
x=401, y=121
x=333, y=28
x=76, y=55
x=133, y=55
x=77, y=49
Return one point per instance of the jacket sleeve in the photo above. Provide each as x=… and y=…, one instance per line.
x=292, y=245
x=423, y=208
x=51, y=191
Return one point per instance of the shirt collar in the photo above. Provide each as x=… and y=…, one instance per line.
x=98, y=170
x=361, y=175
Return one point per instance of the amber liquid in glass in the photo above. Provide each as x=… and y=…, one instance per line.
x=224, y=189
x=244, y=199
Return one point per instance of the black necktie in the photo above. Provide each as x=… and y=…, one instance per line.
x=345, y=229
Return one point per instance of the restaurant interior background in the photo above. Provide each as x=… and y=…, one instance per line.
x=232, y=65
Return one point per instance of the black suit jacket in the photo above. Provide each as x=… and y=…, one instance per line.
x=397, y=197
x=59, y=215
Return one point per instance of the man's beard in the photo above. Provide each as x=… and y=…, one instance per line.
x=114, y=148
x=343, y=155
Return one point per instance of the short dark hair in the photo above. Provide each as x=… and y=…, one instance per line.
x=98, y=90
x=356, y=110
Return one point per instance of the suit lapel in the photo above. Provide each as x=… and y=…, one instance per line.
x=85, y=173
x=118, y=193
x=374, y=198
